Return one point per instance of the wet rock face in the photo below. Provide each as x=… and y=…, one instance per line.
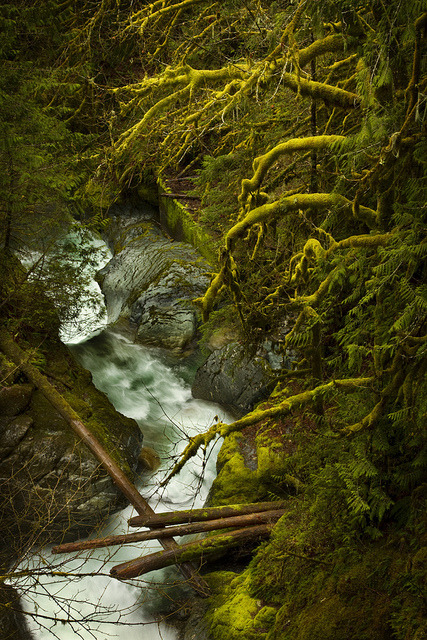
x=151, y=282
x=51, y=485
x=240, y=375
x=164, y=313
x=232, y=377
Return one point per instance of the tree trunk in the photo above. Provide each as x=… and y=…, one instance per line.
x=178, y=530
x=15, y=353
x=200, y=515
x=190, y=551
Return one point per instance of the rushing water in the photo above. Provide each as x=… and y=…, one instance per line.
x=149, y=386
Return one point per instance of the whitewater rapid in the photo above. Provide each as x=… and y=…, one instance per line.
x=152, y=387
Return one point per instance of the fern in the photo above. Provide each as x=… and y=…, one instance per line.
x=356, y=354
x=301, y=339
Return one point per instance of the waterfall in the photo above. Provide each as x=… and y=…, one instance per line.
x=153, y=388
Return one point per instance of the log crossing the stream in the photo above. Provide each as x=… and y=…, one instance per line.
x=175, y=530
x=200, y=515
x=249, y=523
x=21, y=359
x=190, y=551
x=253, y=522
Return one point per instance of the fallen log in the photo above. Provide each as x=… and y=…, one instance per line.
x=182, y=196
x=20, y=358
x=200, y=515
x=189, y=551
x=178, y=530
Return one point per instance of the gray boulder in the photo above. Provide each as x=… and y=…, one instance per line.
x=164, y=314
x=235, y=378
x=150, y=284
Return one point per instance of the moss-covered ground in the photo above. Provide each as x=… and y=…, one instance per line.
x=321, y=575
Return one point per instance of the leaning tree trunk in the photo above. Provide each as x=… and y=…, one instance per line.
x=20, y=358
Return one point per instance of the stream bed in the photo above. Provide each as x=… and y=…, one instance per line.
x=69, y=597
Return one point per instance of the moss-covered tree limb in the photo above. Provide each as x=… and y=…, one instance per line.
x=270, y=211
x=263, y=163
x=189, y=551
x=322, y=91
x=361, y=241
x=283, y=408
x=247, y=77
x=328, y=44
x=202, y=515
x=156, y=10
x=207, y=300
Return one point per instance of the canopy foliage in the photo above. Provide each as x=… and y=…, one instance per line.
x=316, y=110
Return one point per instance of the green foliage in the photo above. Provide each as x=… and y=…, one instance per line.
x=219, y=181
x=37, y=160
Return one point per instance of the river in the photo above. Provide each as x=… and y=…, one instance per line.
x=152, y=387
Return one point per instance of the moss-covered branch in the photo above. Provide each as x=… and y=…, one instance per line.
x=328, y=44
x=258, y=415
x=263, y=163
x=322, y=91
x=156, y=10
x=270, y=211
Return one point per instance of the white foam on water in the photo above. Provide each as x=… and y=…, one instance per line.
x=141, y=386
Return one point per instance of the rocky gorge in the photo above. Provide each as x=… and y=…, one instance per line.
x=50, y=479
x=151, y=287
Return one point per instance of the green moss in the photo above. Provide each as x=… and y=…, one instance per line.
x=149, y=193
x=179, y=222
x=265, y=618
x=332, y=619
x=235, y=483
x=233, y=613
x=270, y=462
x=303, y=585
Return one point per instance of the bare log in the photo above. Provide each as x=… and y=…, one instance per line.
x=191, y=551
x=20, y=358
x=178, y=530
x=200, y=515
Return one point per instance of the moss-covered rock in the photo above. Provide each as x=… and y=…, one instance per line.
x=178, y=221
x=285, y=595
x=235, y=482
x=313, y=579
x=233, y=612
x=234, y=378
x=52, y=485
